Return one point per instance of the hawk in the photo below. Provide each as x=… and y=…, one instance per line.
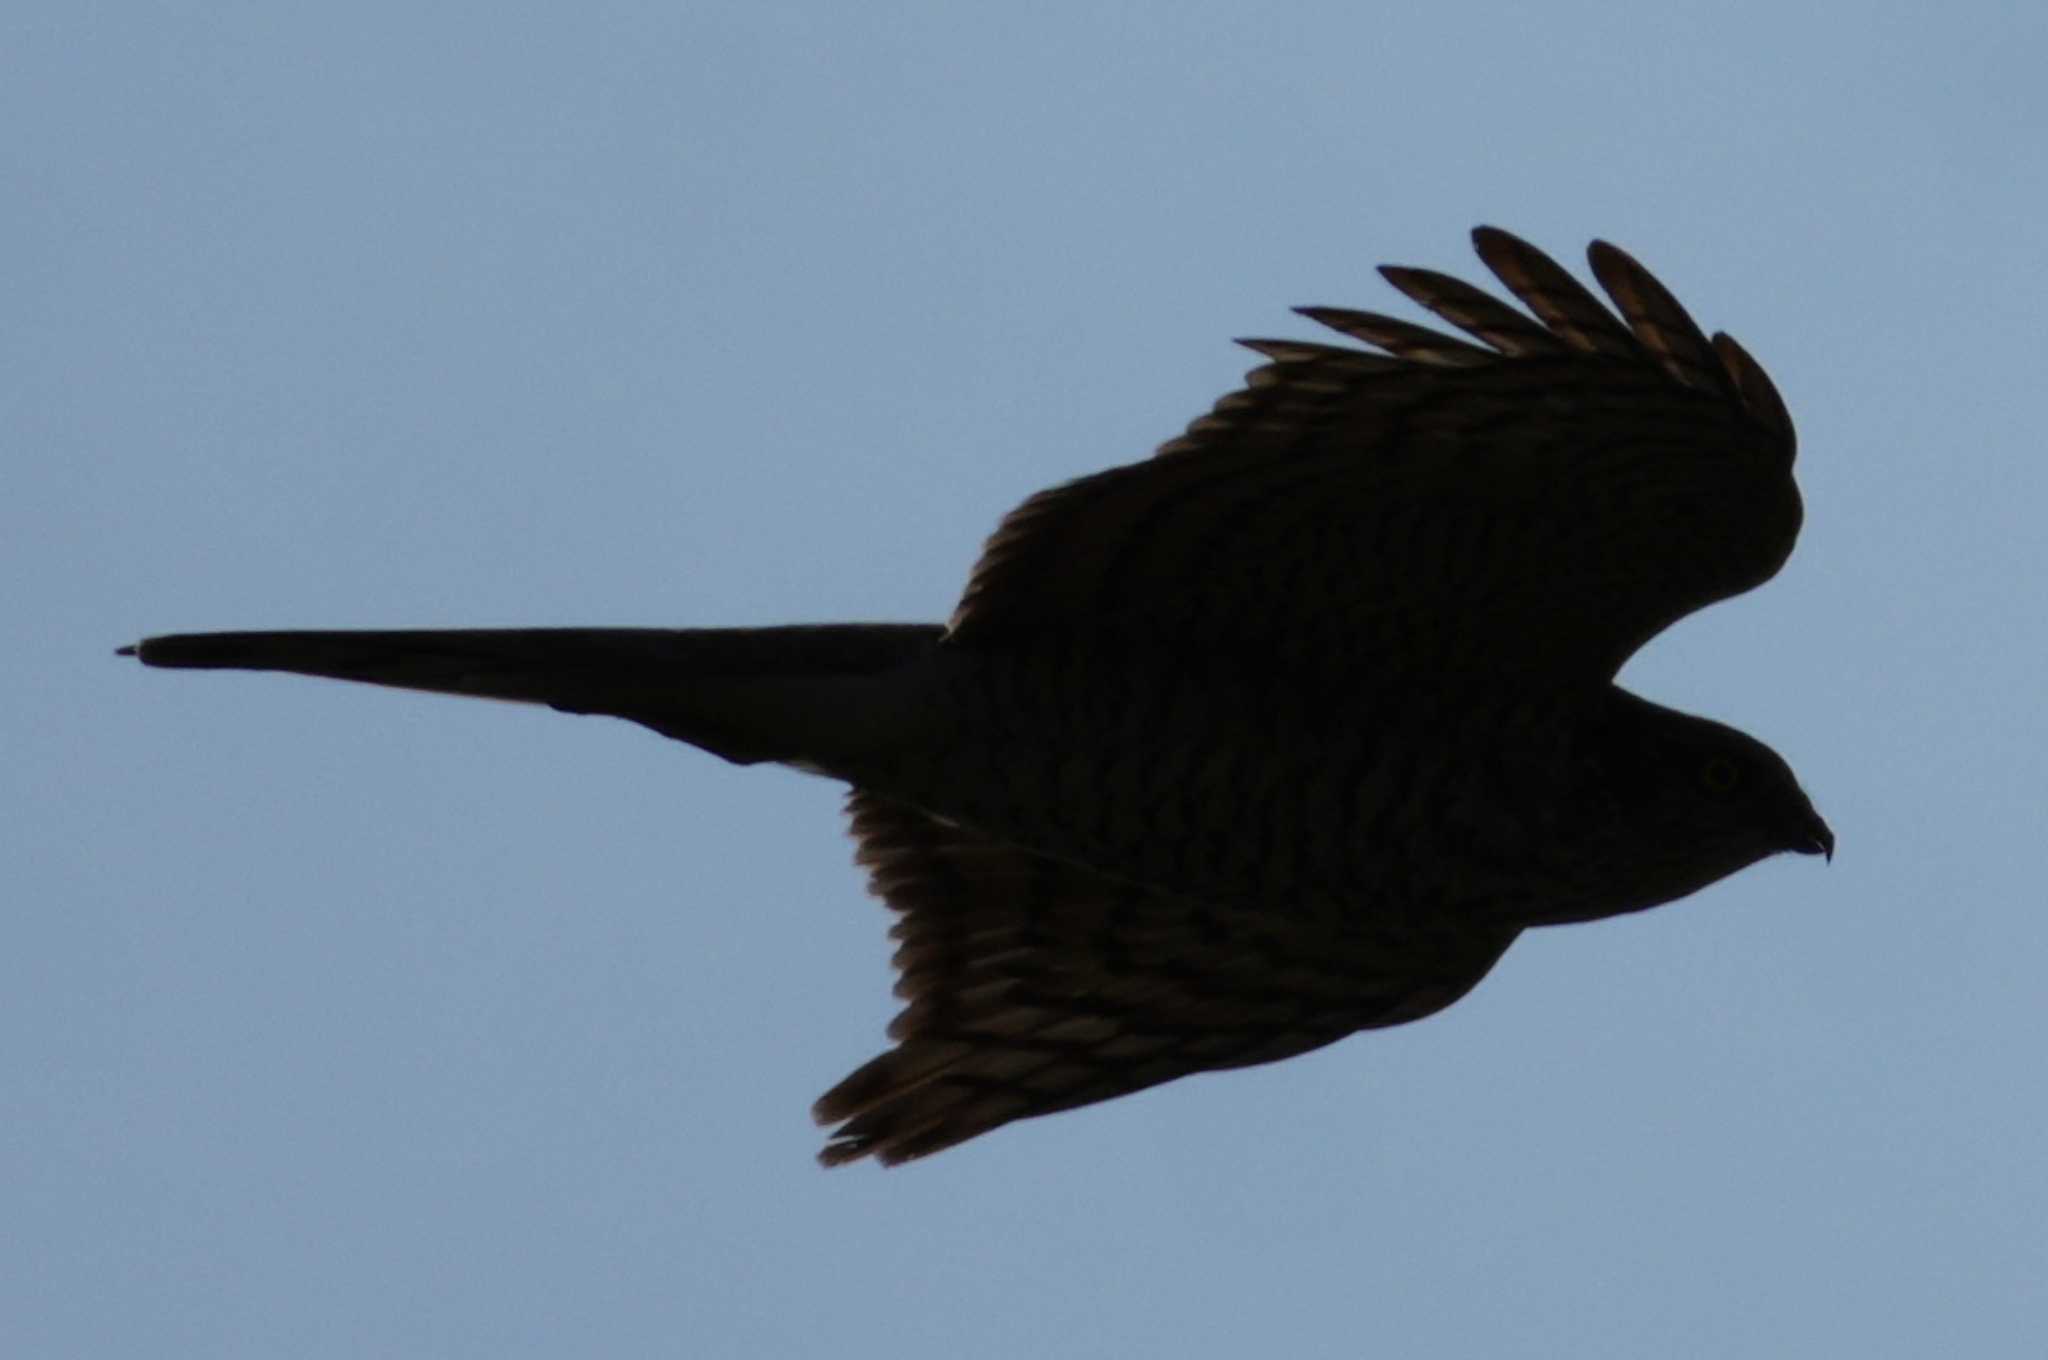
x=1285, y=732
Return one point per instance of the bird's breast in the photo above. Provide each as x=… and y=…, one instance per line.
x=1212, y=777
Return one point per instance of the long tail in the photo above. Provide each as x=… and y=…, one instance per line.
x=747, y=694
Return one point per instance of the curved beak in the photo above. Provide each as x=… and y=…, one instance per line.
x=1814, y=838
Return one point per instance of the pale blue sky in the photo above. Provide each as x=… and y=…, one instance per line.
x=337, y=1022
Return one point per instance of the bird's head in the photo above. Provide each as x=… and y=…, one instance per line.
x=1689, y=801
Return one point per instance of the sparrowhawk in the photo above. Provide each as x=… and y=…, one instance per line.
x=1285, y=732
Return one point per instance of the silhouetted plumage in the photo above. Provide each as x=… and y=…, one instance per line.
x=1283, y=733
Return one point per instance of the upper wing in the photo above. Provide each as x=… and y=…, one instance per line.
x=1546, y=500
x=1035, y=985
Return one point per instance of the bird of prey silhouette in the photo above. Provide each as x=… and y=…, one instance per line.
x=1283, y=733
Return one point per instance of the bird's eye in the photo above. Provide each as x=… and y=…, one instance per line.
x=1720, y=775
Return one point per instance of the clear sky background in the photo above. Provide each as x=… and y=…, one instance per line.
x=340, y=1022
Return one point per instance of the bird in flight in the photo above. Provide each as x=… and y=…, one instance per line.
x=1283, y=733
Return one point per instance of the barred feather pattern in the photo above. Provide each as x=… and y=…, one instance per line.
x=1036, y=985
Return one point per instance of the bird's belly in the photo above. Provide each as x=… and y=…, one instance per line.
x=1212, y=779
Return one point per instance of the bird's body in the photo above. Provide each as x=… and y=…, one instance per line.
x=1201, y=775
x=1284, y=733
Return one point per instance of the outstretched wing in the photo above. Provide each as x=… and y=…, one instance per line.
x=1545, y=500
x=1034, y=986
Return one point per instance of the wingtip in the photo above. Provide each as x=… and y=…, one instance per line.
x=1486, y=234
x=1617, y=270
x=839, y=1154
x=133, y=649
